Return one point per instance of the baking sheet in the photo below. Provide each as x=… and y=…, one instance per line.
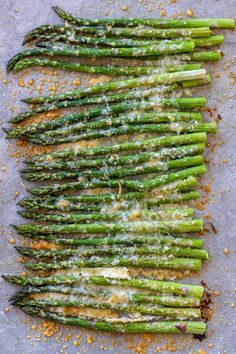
x=16, y=333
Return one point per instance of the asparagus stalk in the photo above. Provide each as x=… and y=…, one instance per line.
x=139, y=227
x=171, y=312
x=114, y=251
x=141, y=32
x=66, y=205
x=122, y=240
x=125, y=261
x=130, y=184
x=44, y=29
x=111, y=70
x=152, y=80
x=120, y=42
x=160, y=214
x=159, y=23
x=127, y=160
x=206, y=56
x=164, y=299
x=157, y=166
x=146, y=144
x=172, y=301
x=119, y=97
x=155, y=285
x=155, y=49
x=193, y=83
x=193, y=327
x=65, y=136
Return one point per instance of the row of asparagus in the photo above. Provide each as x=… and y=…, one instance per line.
x=132, y=38
x=162, y=307
x=141, y=219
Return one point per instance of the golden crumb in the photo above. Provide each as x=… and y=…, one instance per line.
x=21, y=83
x=4, y=81
x=226, y=251
x=24, y=274
x=12, y=241
x=200, y=206
x=75, y=343
x=202, y=351
x=76, y=82
x=190, y=13
x=89, y=339
x=163, y=13
x=17, y=193
x=34, y=327
x=125, y=8
x=6, y=309
x=232, y=305
x=216, y=293
x=210, y=345
x=31, y=82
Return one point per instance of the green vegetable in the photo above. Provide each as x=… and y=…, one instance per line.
x=133, y=22
x=143, y=145
x=155, y=285
x=130, y=184
x=152, y=80
x=155, y=49
x=171, y=312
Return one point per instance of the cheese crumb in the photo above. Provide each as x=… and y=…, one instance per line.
x=163, y=13
x=190, y=13
x=125, y=8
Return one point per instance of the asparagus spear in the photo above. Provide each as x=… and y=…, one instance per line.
x=160, y=23
x=194, y=327
x=52, y=138
x=101, y=251
x=106, y=173
x=177, y=226
x=44, y=29
x=112, y=70
x=74, y=39
x=146, y=144
x=193, y=83
x=171, y=312
x=214, y=55
x=160, y=214
x=125, y=261
x=152, y=80
x=66, y=205
x=155, y=49
x=140, y=32
x=175, y=300
x=168, y=287
x=126, y=160
x=122, y=240
x=130, y=184
x=118, y=97
x=164, y=299
x=105, y=111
